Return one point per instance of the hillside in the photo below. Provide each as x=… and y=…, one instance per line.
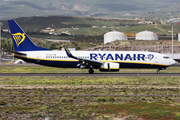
x=23, y=8
x=86, y=36
x=84, y=25
x=160, y=46
x=38, y=23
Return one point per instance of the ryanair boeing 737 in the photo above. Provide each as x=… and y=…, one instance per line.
x=26, y=50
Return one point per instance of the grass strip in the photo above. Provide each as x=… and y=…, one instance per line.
x=44, y=69
x=90, y=80
x=156, y=110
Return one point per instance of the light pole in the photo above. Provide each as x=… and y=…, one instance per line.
x=1, y=24
x=172, y=23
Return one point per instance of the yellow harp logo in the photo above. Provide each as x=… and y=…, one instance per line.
x=19, y=38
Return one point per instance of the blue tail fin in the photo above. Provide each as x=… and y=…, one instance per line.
x=20, y=40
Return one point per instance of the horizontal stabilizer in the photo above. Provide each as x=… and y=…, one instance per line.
x=18, y=53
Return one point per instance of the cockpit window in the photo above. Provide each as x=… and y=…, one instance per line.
x=166, y=57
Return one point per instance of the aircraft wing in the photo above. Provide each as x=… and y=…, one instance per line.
x=82, y=60
x=91, y=62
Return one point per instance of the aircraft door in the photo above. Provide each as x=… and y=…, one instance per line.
x=169, y=61
x=156, y=59
x=38, y=56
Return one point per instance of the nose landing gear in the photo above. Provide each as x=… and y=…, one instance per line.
x=158, y=71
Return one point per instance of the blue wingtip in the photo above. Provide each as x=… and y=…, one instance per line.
x=67, y=52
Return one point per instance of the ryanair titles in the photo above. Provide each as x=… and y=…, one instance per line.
x=95, y=56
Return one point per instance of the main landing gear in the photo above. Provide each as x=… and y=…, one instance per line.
x=91, y=71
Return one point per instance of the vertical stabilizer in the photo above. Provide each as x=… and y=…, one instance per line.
x=20, y=40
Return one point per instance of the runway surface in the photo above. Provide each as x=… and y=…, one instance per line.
x=31, y=64
x=83, y=74
x=86, y=74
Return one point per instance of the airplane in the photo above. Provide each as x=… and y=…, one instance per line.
x=107, y=61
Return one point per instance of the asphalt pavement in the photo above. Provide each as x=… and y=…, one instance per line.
x=87, y=74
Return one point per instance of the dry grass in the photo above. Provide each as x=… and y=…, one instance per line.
x=89, y=97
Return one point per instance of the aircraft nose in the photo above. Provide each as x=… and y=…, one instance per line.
x=173, y=62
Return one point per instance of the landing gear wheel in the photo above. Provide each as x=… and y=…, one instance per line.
x=91, y=71
x=158, y=71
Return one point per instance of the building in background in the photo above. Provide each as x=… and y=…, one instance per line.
x=113, y=36
x=146, y=35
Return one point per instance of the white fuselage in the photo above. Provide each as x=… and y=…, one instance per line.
x=126, y=59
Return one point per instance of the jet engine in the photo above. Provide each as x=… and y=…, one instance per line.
x=106, y=67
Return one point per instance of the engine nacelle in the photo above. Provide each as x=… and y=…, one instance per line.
x=110, y=67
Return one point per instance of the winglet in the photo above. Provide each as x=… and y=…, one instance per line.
x=68, y=52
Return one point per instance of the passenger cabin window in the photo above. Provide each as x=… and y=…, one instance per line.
x=166, y=57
